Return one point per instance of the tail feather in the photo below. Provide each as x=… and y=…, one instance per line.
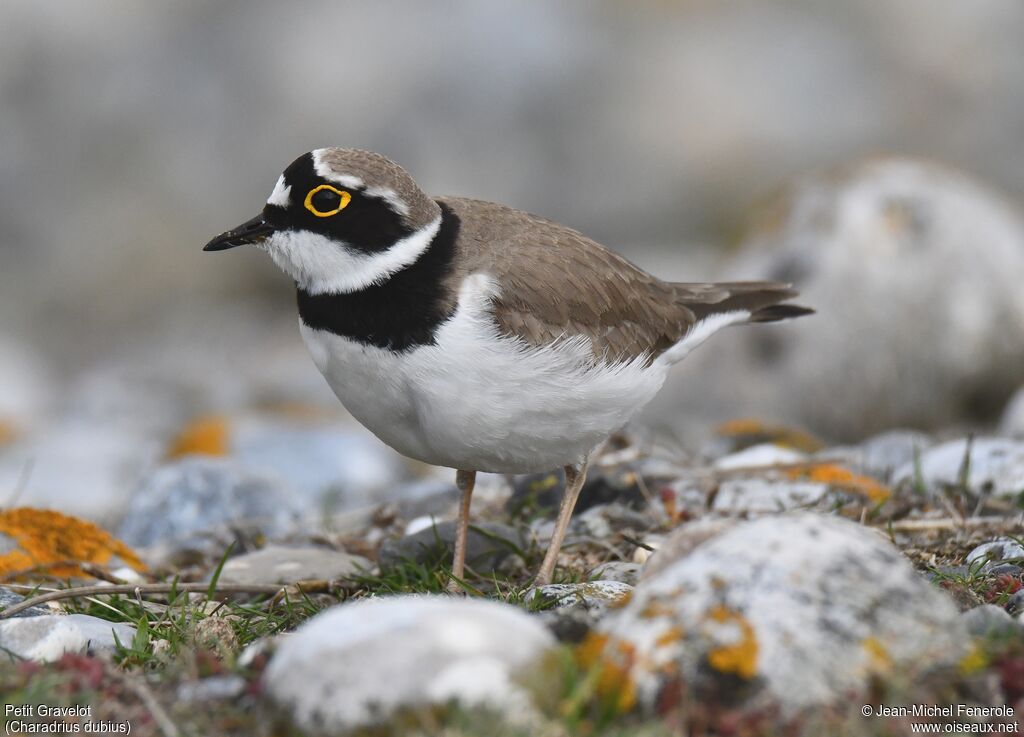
x=763, y=301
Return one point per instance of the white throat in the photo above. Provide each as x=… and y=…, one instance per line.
x=320, y=265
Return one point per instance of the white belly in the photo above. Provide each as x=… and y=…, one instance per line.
x=480, y=401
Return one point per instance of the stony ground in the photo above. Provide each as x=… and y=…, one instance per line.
x=760, y=584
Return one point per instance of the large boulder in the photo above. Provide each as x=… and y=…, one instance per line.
x=790, y=612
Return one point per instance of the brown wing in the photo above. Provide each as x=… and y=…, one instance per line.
x=556, y=283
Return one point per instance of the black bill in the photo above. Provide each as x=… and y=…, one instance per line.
x=251, y=231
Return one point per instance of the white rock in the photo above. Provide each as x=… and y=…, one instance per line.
x=802, y=607
x=765, y=454
x=1013, y=417
x=47, y=637
x=357, y=664
x=915, y=271
x=279, y=564
x=996, y=465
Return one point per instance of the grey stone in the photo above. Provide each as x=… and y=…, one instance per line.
x=184, y=504
x=358, y=664
x=793, y=611
x=8, y=599
x=487, y=546
x=47, y=637
x=278, y=564
x=989, y=620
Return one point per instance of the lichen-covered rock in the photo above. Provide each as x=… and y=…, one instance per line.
x=359, y=664
x=792, y=611
x=185, y=504
x=592, y=596
x=46, y=637
x=992, y=465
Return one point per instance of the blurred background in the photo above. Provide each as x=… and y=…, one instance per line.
x=870, y=152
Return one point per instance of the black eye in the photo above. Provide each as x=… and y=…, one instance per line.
x=325, y=200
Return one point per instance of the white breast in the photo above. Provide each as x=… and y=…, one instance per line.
x=482, y=401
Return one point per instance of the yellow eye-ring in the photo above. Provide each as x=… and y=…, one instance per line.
x=325, y=200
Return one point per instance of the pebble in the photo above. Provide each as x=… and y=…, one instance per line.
x=357, y=664
x=993, y=554
x=794, y=611
x=996, y=466
x=279, y=564
x=189, y=503
x=487, y=546
x=47, y=637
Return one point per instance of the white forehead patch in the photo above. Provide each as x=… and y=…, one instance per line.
x=352, y=182
x=280, y=195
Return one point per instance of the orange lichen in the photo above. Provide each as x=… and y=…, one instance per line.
x=839, y=477
x=205, y=436
x=7, y=433
x=752, y=431
x=57, y=544
x=740, y=657
x=878, y=654
x=609, y=662
x=669, y=637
